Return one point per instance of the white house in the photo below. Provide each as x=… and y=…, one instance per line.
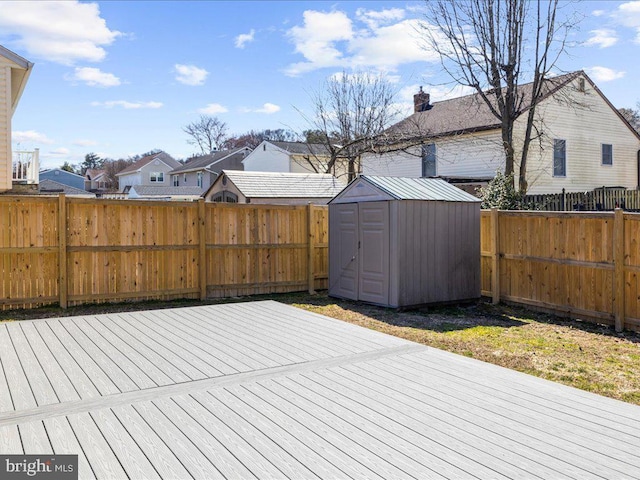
x=150, y=170
x=292, y=157
x=14, y=73
x=282, y=188
x=202, y=171
x=585, y=143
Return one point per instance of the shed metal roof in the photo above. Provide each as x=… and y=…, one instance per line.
x=402, y=188
x=284, y=185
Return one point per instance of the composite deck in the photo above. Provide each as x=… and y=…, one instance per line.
x=264, y=390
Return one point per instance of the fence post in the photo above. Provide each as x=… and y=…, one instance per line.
x=62, y=250
x=202, y=252
x=495, y=257
x=310, y=250
x=618, y=262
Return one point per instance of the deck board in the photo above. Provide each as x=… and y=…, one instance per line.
x=10, y=443
x=64, y=441
x=264, y=390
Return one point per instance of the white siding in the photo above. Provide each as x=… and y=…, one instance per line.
x=5, y=127
x=585, y=121
x=475, y=155
x=267, y=158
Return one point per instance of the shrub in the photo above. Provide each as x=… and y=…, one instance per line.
x=501, y=194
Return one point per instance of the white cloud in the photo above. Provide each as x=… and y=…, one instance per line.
x=375, y=18
x=213, y=109
x=628, y=14
x=382, y=39
x=60, y=31
x=58, y=152
x=604, y=74
x=268, y=108
x=391, y=46
x=316, y=40
x=602, y=38
x=244, y=38
x=94, y=77
x=30, y=136
x=598, y=13
x=190, y=74
x=127, y=105
x=85, y=143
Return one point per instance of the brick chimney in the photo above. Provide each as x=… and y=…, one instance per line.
x=421, y=101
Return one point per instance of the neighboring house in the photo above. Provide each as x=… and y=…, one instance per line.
x=292, y=157
x=151, y=170
x=62, y=176
x=585, y=142
x=274, y=188
x=96, y=180
x=202, y=171
x=14, y=73
x=51, y=187
x=147, y=192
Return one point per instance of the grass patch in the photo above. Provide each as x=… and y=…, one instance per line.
x=575, y=353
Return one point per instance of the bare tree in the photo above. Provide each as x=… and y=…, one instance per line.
x=253, y=138
x=351, y=111
x=494, y=46
x=632, y=115
x=208, y=133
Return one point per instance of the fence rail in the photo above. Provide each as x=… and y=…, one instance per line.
x=74, y=251
x=580, y=264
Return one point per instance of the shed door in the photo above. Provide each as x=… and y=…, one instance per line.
x=343, y=245
x=373, y=233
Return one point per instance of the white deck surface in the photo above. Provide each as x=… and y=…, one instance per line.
x=264, y=390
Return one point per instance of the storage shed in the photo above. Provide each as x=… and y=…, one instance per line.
x=402, y=242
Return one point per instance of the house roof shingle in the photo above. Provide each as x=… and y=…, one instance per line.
x=284, y=185
x=302, y=148
x=162, y=156
x=93, y=174
x=468, y=113
x=217, y=161
x=50, y=187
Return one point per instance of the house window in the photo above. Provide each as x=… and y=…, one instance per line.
x=429, y=160
x=176, y=180
x=607, y=154
x=559, y=158
x=157, y=177
x=199, y=179
x=184, y=178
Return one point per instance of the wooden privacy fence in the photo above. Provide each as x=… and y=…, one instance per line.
x=581, y=264
x=74, y=251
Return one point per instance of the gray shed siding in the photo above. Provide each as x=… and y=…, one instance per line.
x=437, y=251
x=404, y=252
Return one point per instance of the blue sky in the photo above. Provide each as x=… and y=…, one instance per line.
x=120, y=78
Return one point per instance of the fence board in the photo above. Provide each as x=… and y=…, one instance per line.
x=571, y=264
x=114, y=250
